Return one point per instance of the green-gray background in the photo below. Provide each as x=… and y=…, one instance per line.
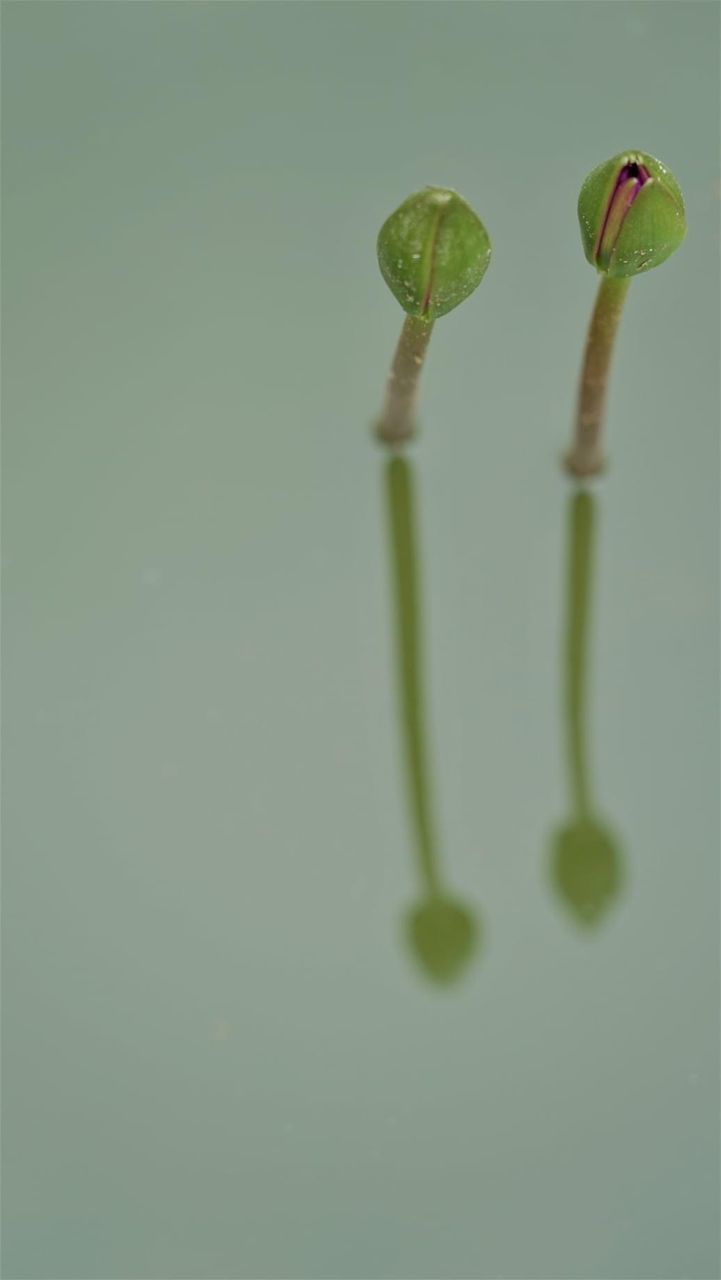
x=220, y=1060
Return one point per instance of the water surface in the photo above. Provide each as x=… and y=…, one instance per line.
x=229, y=1051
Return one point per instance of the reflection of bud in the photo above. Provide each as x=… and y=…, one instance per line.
x=587, y=869
x=631, y=213
x=442, y=934
x=433, y=252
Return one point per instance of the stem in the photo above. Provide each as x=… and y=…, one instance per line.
x=399, y=482
x=585, y=457
x=397, y=421
x=580, y=563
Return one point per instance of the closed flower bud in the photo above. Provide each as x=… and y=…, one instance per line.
x=631, y=214
x=433, y=252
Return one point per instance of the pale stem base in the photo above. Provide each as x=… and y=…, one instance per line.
x=397, y=422
x=585, y=457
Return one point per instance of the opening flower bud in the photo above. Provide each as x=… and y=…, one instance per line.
x=433, y=252
x=631, y=213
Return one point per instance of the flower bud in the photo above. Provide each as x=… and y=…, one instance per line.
x=631, y=214
x=433, y=252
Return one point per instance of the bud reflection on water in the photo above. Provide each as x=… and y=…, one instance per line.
x=442, y=931
x=586, y=862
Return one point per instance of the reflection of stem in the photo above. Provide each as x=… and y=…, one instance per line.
x=580, y=559
x=585, y=458
x=399, y=481
x=397, y=421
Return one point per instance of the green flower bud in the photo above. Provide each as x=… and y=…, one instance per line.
x=433, y=252
x=631, y=214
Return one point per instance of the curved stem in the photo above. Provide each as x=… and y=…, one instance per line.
x=399, y=488
x=580, y=564
x=397, y=422
x=585, y=457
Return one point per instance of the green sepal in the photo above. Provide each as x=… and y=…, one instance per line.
x=433, y=252
x=649, y=231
